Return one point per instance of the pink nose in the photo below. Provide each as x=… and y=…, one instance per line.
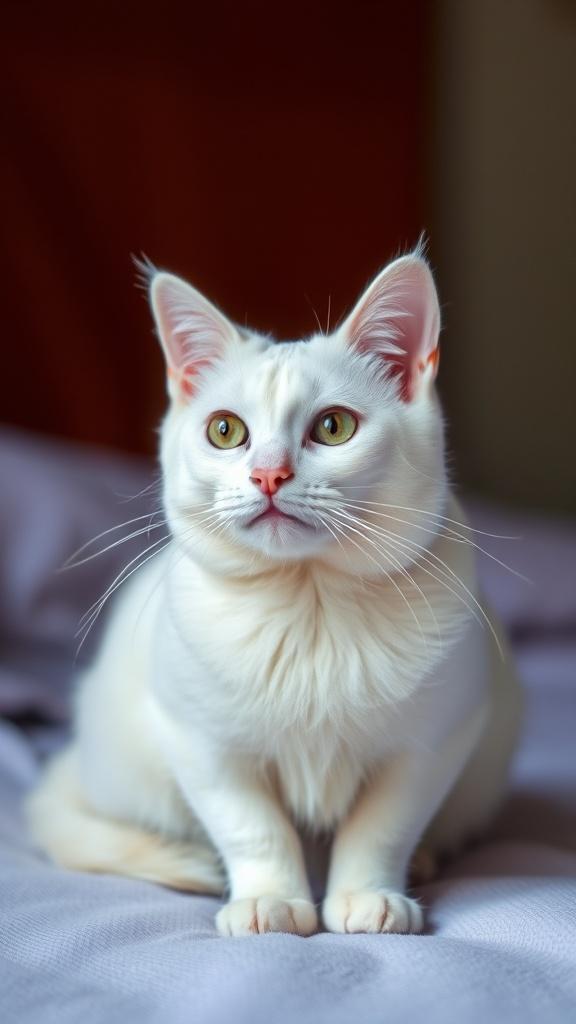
x=269, y=480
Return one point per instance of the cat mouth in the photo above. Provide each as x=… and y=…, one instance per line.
x=273, y=514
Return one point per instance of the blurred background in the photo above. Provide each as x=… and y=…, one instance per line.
x=278, y=156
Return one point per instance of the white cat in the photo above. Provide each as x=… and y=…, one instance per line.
x=310, y=649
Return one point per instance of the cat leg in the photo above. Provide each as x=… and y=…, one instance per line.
x=269, y=890
x=373, y=846
x=65, y=826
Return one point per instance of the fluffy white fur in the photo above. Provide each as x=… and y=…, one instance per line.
x=335, y=671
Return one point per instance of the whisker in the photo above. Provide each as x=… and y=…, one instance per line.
x=125, y=498
x=208, y=517
x=401, y=568
x=316, y=317
x=482, y=620
x=325, y=523
x=450, y=533
x=175, y=547
x=110, y=588
x=431, y=558
x=342, y=529
x=109, y=547
x=178, y=548
x=200, y=510
x=105, y=533
x=89, y=622
x=203, y=518
x=423, y=512
x=365, y=584
x=425, y=554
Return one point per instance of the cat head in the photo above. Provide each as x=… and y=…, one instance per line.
x=325, y=448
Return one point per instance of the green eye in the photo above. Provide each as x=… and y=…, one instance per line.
x=335, y=426
x=227, y=431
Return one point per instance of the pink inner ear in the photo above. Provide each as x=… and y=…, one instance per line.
x=192, y=331
x=398, y=318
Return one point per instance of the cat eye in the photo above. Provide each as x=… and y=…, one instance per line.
x=334, y=426
x=227, y=431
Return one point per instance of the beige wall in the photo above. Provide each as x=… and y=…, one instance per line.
x=504, y=243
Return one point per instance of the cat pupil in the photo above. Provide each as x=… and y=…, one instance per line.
x=223, y=427
x=330, y=424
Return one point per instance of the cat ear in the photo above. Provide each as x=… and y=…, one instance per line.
x=192, y=332
x=398, y=319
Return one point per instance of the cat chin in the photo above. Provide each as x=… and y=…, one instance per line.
x=284, y=539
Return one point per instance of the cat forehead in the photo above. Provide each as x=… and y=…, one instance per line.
x=285, y=375
x=283, y=378
x=284, y=371
x=264, y=370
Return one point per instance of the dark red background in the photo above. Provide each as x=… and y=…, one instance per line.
x=273, y=154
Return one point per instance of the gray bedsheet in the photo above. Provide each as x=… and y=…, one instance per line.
x=501, y=941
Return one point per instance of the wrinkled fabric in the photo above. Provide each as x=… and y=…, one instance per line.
x=501, y=938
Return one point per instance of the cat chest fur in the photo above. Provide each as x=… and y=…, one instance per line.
x=301, y=655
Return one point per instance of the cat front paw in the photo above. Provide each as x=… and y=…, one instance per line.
x=267, y=914
x=372, y=912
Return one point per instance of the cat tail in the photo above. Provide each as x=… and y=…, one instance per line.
x=75, y=836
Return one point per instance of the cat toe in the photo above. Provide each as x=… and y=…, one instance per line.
x=372, y=912
x=255, y=916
